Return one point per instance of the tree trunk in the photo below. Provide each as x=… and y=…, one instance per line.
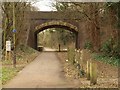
x=94, y=26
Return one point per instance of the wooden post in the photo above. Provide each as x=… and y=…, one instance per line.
x=81, y=59
x=6, y=55
x=9, y=55
x=59, y=47
x=93, y=73
x=88, y=70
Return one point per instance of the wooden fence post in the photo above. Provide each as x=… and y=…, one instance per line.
x=88, y=70
x=93, y=73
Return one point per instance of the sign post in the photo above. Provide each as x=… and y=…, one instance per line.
x=14, y=50
x=14, y=37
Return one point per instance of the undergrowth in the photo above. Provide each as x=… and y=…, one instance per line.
x=114, y=61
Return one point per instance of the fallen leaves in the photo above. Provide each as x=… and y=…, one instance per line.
x=107, y=75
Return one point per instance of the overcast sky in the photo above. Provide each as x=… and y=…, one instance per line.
x=45, y=5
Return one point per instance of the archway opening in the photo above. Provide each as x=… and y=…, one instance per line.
x=56, y=39
x=54, y=34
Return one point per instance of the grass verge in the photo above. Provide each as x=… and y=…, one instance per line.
x=24, y=55
x=8, y=73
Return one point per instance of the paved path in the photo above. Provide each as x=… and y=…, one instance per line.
x=44, y=72
x=49, y=49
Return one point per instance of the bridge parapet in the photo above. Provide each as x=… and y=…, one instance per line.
x=36, y=15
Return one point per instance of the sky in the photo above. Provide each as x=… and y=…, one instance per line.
x=45, y=5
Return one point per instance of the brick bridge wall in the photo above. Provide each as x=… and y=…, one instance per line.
x=39, y=21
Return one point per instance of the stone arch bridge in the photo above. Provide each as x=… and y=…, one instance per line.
x=39, y=21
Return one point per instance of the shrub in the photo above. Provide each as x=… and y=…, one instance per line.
x=106, y=47
x=111, y=48
x=88, y=45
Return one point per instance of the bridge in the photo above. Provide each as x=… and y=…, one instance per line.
x=39, y=21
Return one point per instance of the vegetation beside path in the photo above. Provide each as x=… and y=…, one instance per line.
x=107, y=73
x=24, y=55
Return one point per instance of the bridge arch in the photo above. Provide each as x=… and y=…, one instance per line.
x=39, y=21
x=56, y=24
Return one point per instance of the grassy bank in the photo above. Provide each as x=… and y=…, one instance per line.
x=106, y=59
x=24, y=55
